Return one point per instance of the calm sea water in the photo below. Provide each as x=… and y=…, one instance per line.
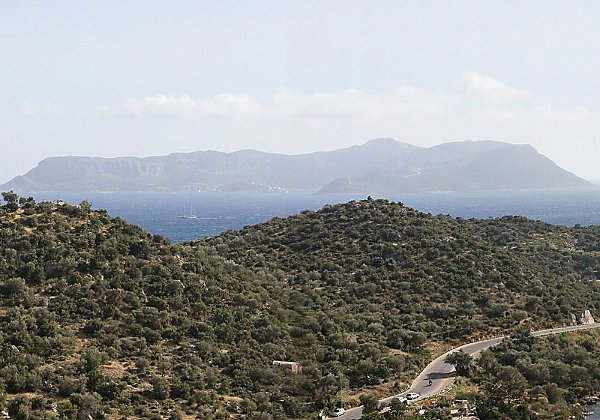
x=160, y=212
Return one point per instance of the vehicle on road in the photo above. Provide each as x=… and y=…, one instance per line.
x=412, y=396
x=338, y=412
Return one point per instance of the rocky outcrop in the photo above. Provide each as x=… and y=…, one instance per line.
x=84, y=415
x=582, y=318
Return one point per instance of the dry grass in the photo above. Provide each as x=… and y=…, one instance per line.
x=113, y=369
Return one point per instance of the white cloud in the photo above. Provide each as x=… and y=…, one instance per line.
x=220, y=106
x=357, y=105
x=541, y=113
x=286, y=104
x=491, y=89
x=404, y=105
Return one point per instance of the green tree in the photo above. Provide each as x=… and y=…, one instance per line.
x=438, y=413
x=510, y=382
x=160, y=388
x=553, y=392
x=20, y=408
x=522, y=339
x=462, y=362
x=11, y=199
x=370, y=403
x=397, y=407
x=86, y=206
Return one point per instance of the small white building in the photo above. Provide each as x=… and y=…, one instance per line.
x=293, y=366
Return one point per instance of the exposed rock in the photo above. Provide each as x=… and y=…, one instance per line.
x=84, y=415
x=583, y=318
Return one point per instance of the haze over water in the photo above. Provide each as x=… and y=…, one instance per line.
x=160, y=213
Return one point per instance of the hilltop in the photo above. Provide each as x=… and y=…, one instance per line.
x=99, y=317
x=380, y=166
x=461, y=166
x=470, y=274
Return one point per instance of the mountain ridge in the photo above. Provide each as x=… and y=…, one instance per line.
x=379, y=166
x=474, y=166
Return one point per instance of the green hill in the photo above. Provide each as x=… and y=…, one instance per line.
x=99, y=317
x=449, y=278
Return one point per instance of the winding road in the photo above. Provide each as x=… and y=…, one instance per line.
x=441, y=373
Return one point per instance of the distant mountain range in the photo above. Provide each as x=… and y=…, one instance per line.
x=380, y=166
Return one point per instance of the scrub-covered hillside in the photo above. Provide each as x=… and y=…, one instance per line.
x=99, y=317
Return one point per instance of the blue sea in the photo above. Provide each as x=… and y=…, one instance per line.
x=161, y=213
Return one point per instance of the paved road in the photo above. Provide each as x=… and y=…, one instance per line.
x=442, y=374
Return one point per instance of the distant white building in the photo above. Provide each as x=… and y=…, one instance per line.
x=293, y=366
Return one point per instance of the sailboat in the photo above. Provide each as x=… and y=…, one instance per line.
x=189, y=215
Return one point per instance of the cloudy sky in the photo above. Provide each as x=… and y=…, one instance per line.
x=136, y=78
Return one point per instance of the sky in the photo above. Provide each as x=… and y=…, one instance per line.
x=137, y=78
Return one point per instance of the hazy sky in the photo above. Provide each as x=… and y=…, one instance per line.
x=112, y=78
